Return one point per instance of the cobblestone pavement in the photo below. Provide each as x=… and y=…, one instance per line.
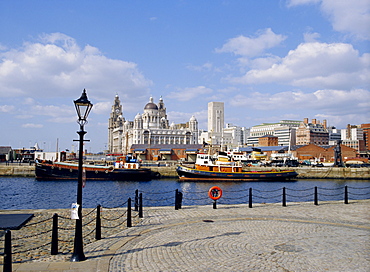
x=331, y=236
x=300, y=237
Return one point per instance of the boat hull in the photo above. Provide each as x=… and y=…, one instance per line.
x=187, y=173
x=61, y=172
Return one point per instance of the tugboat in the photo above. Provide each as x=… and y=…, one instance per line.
x=126, y=169
x=222, y=167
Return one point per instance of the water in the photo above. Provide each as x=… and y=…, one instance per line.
x=27, y=193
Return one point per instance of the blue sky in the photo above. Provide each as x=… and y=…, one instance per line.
x=267, y=60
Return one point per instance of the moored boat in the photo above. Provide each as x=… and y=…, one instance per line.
x=223, y=168
x=120, y=171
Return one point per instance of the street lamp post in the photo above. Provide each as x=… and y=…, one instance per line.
x=83, y=108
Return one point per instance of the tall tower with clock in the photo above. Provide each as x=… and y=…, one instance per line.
x=116, y=120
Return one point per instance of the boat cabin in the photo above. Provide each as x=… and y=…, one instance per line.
x=218, y=163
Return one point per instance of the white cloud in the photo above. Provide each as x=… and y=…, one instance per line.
x=263, y=63
x=316, y=65
x=183, y=117
x=187, y=94
x=52, y=111
x=331, y=102
x=252, y=46
x=310, y=37
x=57, y=67
x=351, y=17
x=102, y=107
x=31, y=125
x=292, y=3
x=6, y=108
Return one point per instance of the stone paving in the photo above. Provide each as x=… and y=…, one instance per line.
x=331, y=236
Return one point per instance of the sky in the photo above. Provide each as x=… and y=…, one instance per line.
x=267, y=60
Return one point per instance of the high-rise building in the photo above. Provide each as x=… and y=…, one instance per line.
x=215, y=117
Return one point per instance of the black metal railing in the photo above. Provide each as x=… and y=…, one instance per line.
x=55, y=234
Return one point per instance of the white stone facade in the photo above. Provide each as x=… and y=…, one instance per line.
x=150, y=127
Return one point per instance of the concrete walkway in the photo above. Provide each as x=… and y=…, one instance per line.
x=268, y=237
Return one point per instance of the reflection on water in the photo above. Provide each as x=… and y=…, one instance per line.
x=27, y=193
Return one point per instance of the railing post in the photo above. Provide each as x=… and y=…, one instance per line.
x=54, y=236
x=250, y=197
x=214, y=204
x=284, y=197
x=98, y=223
x=316, y=199
x=129, y=222
x=8, y=252
x=346, y=194
x=141, y=205
x=136, y=200
x=180, y=200
x=176, y=199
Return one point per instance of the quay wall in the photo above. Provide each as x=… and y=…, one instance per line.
x=170, y=171
x=18, y=170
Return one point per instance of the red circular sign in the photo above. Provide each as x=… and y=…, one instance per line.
x=215, y=192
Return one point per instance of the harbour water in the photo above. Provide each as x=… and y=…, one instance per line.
x=27, y=193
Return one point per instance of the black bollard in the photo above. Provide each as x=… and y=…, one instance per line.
x=141, y=205
x=54, y=236
x=8, y=252
x=136, y=200
x=98, y=223
x=129, y=222
x=214, y=204
x=316, y=200
x=180, y=199
x=250, y=197
x=176, y=199
x=284, y=197
x=345, y=194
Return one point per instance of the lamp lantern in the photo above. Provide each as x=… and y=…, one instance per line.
x=83, y=108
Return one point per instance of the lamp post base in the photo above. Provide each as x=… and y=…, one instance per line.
x=78, y=258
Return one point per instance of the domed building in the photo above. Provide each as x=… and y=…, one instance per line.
x=151, y=128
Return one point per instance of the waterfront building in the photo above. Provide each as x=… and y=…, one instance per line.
x=312, y=133
x=268, y=140
x=321, y=153
x=149, y=128
x=215, y=135
x=238, y=134
x=166, y=152
x=353, y=136
x=6, y=153
x=219, y=136
x=216, y=117
x=334, y=135
x=284, y=130
x=366, y=130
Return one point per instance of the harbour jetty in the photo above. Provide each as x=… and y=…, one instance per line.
x=268, y=237
x=169, y=171
x=17, y=170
